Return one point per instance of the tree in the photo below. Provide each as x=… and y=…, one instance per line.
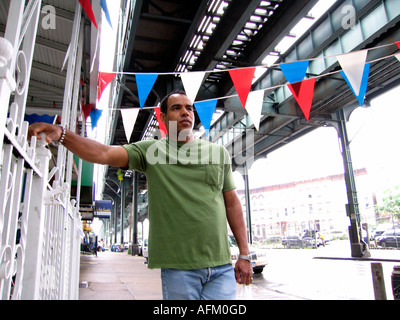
x=391, y=203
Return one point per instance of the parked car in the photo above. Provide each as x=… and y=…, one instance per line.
x=275, y=239
x=293, y=242
x=258, y=257
x=308, y=240
x=389, y=238
x=382, y=228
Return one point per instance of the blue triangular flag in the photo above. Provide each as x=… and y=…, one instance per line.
x=95, y=115
x=364, y=84
x=295, y=71
x=103, y=4
x=205, y=110
x=145, y=82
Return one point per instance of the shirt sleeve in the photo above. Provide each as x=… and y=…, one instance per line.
x=229, y=182
x=137, y=156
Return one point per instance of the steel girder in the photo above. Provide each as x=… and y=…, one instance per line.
x=282, y=119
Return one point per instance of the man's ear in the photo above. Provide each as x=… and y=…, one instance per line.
x=163, y=118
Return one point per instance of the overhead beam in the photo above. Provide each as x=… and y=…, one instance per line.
x=49, y=69
x=285, y=17
x=330, y=93
x=235, y=17
x=189, y=35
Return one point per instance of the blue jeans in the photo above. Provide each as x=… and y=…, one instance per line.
x=215, y=283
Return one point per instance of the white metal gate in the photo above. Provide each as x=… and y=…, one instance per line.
x=40, y=227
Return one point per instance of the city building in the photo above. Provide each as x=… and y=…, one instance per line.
x=316, y=204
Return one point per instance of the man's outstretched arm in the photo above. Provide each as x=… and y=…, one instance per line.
x=85, y=148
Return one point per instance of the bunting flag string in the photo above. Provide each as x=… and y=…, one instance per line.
x=205, y=110
x=87, y=7
x=163, y=128
x=95, y=115
x=353, y=66
x=295, y=71
x=192, y=82
x=128, y=119
x=87, y=108
x=242, y=80
x=303, y=92
x=363, y=86
x=103, y=4
x=145, y=82
x=254, y=106
x=104, y=79
x=355, y=71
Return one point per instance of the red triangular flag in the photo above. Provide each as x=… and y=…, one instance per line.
x=104, y=79
x=303, y=92
x=242, y=80
x=398, y=44
x=87, y=7
x=163, y=128
x=86, y=110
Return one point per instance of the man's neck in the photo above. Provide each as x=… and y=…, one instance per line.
x=184, y=137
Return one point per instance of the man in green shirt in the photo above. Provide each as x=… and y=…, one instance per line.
x=191, y=196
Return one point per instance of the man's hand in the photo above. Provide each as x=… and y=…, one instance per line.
x=53, y=132
x=243, y=272
x=84, y=148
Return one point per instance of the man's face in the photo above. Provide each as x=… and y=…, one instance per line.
x=179, y=118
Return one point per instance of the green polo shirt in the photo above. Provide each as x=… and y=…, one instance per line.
x=187, y=217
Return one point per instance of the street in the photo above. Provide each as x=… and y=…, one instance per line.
x=301, y=274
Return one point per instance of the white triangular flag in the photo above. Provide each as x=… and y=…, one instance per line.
x=192, y=82
x=353, y=66
x=254, y=106
x=128, y=119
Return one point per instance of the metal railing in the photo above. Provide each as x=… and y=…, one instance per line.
x=40, y=228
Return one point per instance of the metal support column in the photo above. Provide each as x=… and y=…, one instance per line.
x=248, y=206
x=116, y=222
x=122, y=210
x=358, y=247
x=135, y=248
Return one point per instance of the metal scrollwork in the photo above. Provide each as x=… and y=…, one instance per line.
x=19, y=259
x=6, y=262
x=21, y=73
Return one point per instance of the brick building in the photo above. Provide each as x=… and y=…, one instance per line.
x=315, y=204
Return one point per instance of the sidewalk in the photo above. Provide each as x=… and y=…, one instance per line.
x=120, y=276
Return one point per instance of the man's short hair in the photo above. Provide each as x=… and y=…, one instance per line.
x=164, y=101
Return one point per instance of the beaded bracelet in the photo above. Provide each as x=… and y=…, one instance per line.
x=64, y=131
x=61, y=140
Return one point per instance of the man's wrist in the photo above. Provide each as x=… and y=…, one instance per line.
x=245, y=257
x=62, y=136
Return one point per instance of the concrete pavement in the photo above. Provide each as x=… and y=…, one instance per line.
x=120, y=276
